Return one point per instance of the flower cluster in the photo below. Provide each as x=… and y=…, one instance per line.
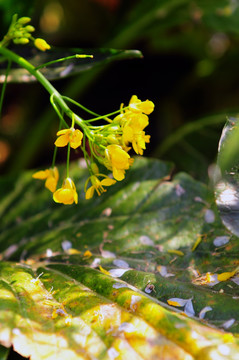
x=20, y=32
x=109, y=146
x=126, y=129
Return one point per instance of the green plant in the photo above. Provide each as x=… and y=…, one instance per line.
x=145, y=271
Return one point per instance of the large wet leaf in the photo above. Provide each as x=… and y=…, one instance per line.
x=67, y=67
x=147, y=270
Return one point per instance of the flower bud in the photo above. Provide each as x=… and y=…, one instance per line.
x=118, y=119
x=18, y=34
x=27, y=35
x=112, y=139
x=41, y=44
x=100, y=139
x=24, y=20
x=114, y=128
x=94, y=168
x=21, y=41
x=29, y=28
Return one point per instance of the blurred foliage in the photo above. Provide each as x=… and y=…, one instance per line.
x=189, y=70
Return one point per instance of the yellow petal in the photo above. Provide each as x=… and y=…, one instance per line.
x=62, y=141
x=55, y=173
x=134, y=99
x=63, y=132
x=137, y=148
x=118, y=174
x=89, y=193
x=87, y=253
x=51, y=184
x=41, y=175
x=76, y=197
x=63, y=196
x=119, y=157
x=128, y=134
x=108, y=182
x=147, y=107
x=103, y=270
x=173, y=303
x=76, y=139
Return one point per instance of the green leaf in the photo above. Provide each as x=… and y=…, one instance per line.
x=67, y=67
x=3, y=352
x=101, y=279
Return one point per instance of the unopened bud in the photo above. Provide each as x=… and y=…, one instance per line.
x=41, y=44
x=24, y=20
x=27, y=35
x=112, y=139
x=114, y=128
x=94, y=168
x=18, y=34
x=21, y=41
x=29, y=28
x=118, y=119
x=99, y=138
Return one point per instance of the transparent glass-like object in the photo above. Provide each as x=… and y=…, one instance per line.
x=226, y=176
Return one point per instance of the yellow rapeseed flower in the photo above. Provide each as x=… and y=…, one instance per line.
x=133, y=132
x=41, y=44
x=118, y=161
x=136, y=105
x=67, y=193
x=97, y=185
x=50, y=175
x=66, y=136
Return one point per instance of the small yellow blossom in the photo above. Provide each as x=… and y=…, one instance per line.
x=67, y=193
x=66, y=136
x=133, y=132
x=136, y=105
x=97, y=185
x=138, y=139
x=41, y=44
x=50, y=175
x=118, y=161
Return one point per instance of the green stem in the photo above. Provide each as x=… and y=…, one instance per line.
x=79, y=105
x=54, y=157
x=62, y=120
x=4, y=86
x=68, y=160
x=104, y=116
x=60, y=60
x=38, y=75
